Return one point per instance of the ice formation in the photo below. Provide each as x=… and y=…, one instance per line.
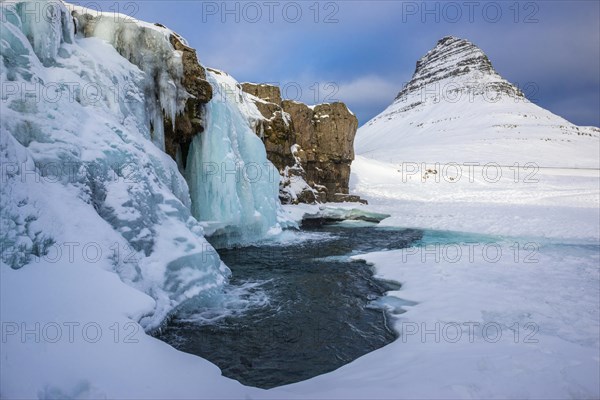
x=148, y=47
x=82, y=164
x=234, y=187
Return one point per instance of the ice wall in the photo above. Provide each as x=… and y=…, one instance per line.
x=234, y=188
x=79, y=166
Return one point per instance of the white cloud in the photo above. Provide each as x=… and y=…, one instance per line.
x=368, y=90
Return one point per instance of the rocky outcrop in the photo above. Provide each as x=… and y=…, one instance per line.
x=190, y=122
x=313, y=143
x=268, y=93
x=312, y=147
x=326, y=135
x=276, y=129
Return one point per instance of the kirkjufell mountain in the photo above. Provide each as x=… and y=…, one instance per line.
x=457, y=108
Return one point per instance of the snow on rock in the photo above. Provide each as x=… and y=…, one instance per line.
x=293, y=188
x=148, y=47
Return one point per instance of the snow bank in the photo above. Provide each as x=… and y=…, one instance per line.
x=540, y=203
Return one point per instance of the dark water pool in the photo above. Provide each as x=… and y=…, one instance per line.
x=293, y=310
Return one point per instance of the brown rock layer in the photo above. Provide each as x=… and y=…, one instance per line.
x=190, y=122
x=268, y=93
x=324, y=133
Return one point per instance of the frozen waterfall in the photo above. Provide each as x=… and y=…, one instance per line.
x=234, y=188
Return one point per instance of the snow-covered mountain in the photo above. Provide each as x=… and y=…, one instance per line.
x=457, y=108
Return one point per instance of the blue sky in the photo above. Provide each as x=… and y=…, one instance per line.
x=361, y=52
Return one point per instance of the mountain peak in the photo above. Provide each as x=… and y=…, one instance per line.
x=448, y=39
x=457, y=61
x=452, y=48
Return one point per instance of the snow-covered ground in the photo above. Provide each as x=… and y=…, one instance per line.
x=496, y=200
x=520, y=283
x=501, y=299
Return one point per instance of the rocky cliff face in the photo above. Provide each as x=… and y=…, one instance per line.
x=315, y=144
x=311, y=146
x=326, y=135
x=178, y=136
x=276, y=129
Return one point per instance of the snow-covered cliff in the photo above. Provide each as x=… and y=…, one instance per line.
x=84, y=102
x=99, y=239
